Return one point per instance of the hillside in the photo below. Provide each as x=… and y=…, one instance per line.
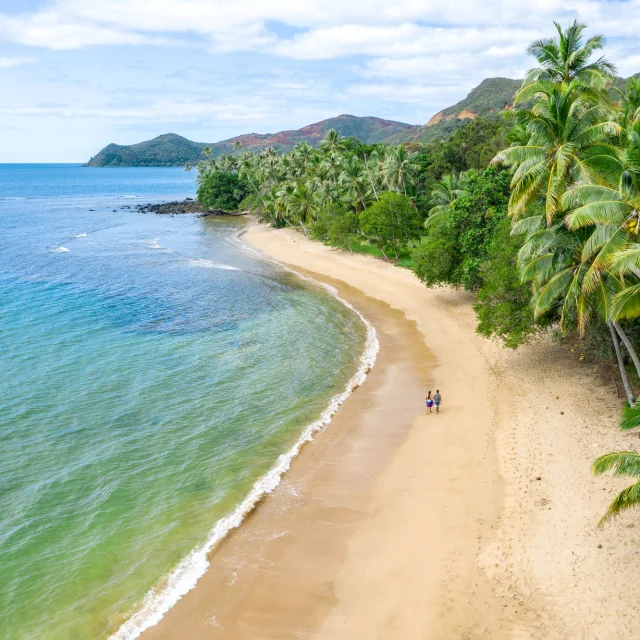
x=171, y=149
x=491, y=96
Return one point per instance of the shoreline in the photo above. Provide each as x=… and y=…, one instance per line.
x=184, y=578
x=478, y=523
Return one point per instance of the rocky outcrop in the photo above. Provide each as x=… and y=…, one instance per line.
x=186, y=206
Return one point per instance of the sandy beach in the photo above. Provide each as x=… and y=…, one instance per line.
x=476, y=523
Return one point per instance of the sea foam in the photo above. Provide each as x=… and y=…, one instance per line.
x=185, y=576
x=209, y=264
x=60, y=250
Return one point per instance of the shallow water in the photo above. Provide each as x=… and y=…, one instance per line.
x=153, y=370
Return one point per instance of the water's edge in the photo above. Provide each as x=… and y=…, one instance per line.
x=185, y=576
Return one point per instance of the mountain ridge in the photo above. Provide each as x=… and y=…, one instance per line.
x=490, y=98
x=171, y=149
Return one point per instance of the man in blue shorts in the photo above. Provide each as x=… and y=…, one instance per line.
x=437, y=399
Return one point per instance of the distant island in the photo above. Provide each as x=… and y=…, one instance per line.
x=491, y=96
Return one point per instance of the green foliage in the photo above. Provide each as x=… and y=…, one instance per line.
x=391, y=222
x=620, y=463
x=473, y=146
x=630, y=418
x=222, y=190
x=465, y=234
x=502, y=304
x=435, y=258
x=342, y=230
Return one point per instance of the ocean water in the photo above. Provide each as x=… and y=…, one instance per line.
x=156, y=378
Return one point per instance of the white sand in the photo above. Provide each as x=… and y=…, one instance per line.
x=461, y=540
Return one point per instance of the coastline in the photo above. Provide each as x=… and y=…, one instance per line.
x=478, y=523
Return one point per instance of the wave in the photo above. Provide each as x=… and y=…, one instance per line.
x=130, y=197
x=186, y=575
x=60, y=250
x=209, y=264
x=151, y=243
x=80, y=235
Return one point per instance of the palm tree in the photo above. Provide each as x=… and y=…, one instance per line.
x=567, y=58
x=303, y=152
x=332, y=141
x=620, y=463
x=352, y=177
x=247, y=169
x=559, y=262
x=443, y=194
x=302, y=207
x=399, y=168
x=562, y=126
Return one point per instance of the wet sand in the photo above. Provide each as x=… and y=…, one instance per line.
x=478, y=523
x=273, y=577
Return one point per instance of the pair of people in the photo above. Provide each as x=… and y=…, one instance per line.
x=435, y=400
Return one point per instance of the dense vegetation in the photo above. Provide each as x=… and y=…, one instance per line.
x=537, y=211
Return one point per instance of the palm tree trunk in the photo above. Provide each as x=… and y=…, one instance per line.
x=623, y=372
x=254, y=188
x=629, y=346
x=306, y=233
x=375, y=193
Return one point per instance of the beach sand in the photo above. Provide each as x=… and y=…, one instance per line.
x=478, y=523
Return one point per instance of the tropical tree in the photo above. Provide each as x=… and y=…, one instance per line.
x=620, y=463
x=391, y=222
x=443, y=194
x=567, y=58
x=399, y=168
x=352, y=177
x=562, y=125
x=333, y=141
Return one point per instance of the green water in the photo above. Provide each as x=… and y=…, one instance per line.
x=151, y=374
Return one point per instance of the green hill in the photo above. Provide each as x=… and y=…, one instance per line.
x=171, y=149
x=488, y=99
x=166, y=150
x=491, y=96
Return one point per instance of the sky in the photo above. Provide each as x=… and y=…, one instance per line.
x=76, y=75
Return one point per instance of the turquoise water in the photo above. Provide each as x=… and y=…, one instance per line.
x=153, y=370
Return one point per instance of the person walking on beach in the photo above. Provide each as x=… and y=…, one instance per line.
x=437, y=400
x=429, y=402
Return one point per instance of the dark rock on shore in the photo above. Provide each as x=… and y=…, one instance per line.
x=186, y=206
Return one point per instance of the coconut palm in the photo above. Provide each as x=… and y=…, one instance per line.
x=399, y=168
x=303, y=152
x=620, y=463
x=567, y=58
x=247, y=168
x=562, y=126
x=564, y=267
x=352, y=177
x=302, y=205
x=333, y=141
x=227, y=163
x=443, y=195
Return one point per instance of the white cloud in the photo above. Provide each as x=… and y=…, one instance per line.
x=7, y=62
x=333, y=28
x=160, y=111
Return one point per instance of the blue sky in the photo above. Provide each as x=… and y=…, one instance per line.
x=78, y=74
